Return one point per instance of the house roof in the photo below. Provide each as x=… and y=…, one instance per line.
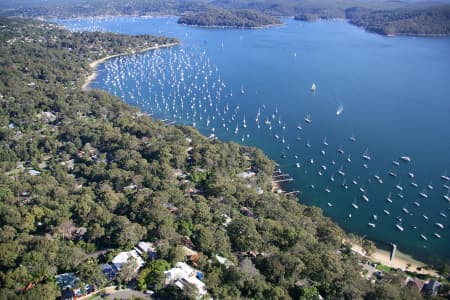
x=146, y=247
x=123, y=257
x=183, y=275
x=65, y=280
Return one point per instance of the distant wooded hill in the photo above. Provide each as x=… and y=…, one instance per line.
x=229, y=18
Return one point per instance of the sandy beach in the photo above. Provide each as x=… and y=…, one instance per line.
x=401, y=261
x=95, y=63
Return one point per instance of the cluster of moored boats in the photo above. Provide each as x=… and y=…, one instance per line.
x=184, y=86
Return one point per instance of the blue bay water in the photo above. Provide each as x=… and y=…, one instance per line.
x=395, y=94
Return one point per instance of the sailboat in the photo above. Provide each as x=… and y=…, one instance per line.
x=313, y=87
x=366, y=155
x=423, y=193
x=339, y=110
x=405, y=158
x=440, y=225
x=388, y=198
x=308, y=118
x=364, y=196
x=399, y=227
x=447, y=196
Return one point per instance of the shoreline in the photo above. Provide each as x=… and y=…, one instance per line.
x=93, y=65
x=233, y=27
x=401, y=260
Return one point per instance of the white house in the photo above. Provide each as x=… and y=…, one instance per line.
x=186, y=278
x=146, y=250
x=123, y=257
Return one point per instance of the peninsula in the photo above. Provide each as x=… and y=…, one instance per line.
x=244, y=18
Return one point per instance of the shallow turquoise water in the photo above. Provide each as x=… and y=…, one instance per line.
x=395, y=94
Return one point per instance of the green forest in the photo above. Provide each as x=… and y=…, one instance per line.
x=229, y=18
x=81, y=172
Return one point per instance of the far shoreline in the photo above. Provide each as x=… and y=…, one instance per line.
x=93, y=65
x=233, y=26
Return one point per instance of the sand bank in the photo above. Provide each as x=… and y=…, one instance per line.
x=401, y=261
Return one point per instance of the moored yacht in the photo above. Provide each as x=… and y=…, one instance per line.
x=423, y=193
x=447, y=196
x=440, y=225
x=339, y=110
x=366, y=155
x=405, y=158
x=308, y=118
x=388, y=198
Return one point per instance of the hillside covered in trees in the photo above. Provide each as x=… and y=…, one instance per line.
x=82, y=172
x=229, y=18
x=429, y=21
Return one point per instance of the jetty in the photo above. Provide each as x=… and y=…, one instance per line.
x=393, y=250
x=283, y=180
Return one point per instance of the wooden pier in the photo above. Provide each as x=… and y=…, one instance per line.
x=393, y=250
x=283, y=180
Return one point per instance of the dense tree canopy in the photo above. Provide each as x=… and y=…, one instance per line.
x=106, y=176
x=229, y=18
